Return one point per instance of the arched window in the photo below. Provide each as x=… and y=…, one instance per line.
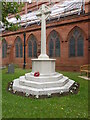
x=80, y=46
x=29, y=49
x=76, y=41
x=72, y=46
x=57, y=47
x=4, y=49
x=18, y=47
x=54, y=44
x=34, y=49
x=32, y=46
x=51, y=48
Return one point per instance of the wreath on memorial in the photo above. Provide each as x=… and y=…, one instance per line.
x=36, y=74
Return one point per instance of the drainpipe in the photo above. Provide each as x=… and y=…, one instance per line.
x=24, y=64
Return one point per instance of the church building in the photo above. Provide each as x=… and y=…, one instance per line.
x=67, y=35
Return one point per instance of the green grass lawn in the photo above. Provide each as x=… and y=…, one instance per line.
x=72, y=106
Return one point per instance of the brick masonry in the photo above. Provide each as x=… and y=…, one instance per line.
x=64, y=26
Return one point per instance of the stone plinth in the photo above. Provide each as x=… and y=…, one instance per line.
x=48, y=82
x=43, y=66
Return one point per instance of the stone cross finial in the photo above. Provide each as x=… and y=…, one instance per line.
x=43, y=14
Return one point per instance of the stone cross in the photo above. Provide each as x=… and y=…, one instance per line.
x=43, y=14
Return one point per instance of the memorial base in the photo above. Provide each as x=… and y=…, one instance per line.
x=47, y=83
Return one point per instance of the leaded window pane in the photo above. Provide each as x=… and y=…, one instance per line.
x=19, y=39
x=51, y=48
x=32, y=37
x=17, y=50
x=19, y=47
x=80, y=46
x=76, y=32
x=53, y=34
x=21, y=50
x=32, y=46
x=72, y=47
x=34, y=49
x=57, y=48
x=4, y=49
x=54, y=44
x=30, y=49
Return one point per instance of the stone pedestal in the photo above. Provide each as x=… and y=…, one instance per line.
x=43, y=66
x=48, y=82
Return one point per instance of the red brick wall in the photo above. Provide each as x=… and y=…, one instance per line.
x=64, y=62
x=63, y=27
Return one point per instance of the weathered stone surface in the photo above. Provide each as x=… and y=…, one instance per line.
x=11, y=68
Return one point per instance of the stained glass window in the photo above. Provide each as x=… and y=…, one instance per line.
x=21, y=50
x=76, y=32
x=54, y=44
x=54, y=34
x=4, y=49
x=32, y=46
x=17, y=50
x=72, y=47
x=80, y=46
x=18, y=47
x=34, y=49
x=51, y=48
x=76, y=44
x=57, y=46
x=29, y=49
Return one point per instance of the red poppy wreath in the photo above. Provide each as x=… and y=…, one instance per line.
x=36, y=74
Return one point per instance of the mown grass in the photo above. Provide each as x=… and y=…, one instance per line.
x=72, y=106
